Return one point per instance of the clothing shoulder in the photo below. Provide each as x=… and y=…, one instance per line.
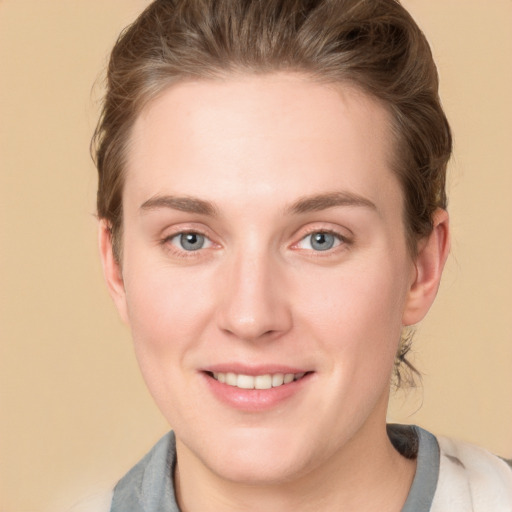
x=148, y=485
x=98, y=502
x=471, y=478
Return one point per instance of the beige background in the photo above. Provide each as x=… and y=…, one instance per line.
x=74, y=412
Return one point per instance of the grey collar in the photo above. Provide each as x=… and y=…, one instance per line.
x=148, y=486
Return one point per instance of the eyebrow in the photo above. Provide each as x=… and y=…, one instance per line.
x=306, y=204
x=184, y=204
x=321, y=202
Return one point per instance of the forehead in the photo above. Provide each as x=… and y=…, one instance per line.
x=260, y=133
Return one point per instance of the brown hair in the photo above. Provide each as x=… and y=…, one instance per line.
x=372, y=44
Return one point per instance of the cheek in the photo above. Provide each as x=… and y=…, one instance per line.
x=167, y=308
x=167, y=312
x=357, y=312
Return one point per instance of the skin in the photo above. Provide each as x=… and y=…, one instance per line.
x=259, y=293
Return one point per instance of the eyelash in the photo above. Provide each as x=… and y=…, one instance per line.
x=343, y=242
x=167, y=242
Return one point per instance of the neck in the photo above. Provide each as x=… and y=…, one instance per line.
x=368, y=474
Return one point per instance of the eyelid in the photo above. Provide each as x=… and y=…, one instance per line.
x=166, y=240
x=344, y=239
x=184, y=228
x=176, y=236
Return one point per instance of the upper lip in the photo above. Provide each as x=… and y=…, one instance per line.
x=260, y=369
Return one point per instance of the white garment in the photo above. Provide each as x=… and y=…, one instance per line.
x=98, y=502
x=471, y=480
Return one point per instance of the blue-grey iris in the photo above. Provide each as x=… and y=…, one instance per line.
x=191, y=241
x=322, y=241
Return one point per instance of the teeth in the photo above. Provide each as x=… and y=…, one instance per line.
x=288, y=377
x=245, y=382
x=266, y=381
x=262, y=382
x=277, y=380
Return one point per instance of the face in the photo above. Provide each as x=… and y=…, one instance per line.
x=265, y=273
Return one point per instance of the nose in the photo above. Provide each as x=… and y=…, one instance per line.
x=255, y=302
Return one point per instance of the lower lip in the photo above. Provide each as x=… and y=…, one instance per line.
x=254, y=400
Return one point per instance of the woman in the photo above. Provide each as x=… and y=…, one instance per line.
x=272, y=218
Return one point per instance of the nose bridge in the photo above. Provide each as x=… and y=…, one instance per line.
x=254, y=304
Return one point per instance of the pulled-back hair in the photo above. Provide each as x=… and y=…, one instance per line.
x=373, y=45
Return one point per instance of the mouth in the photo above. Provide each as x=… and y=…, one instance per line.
x=265, y=381
x=256, y=389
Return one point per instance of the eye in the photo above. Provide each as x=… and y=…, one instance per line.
x=320, y=241
x=190, y=241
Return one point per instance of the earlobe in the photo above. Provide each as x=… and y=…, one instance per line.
x=430, y=260
x=112, y=270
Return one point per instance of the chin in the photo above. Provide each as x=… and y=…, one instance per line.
x=255, y=456
x=257, y=467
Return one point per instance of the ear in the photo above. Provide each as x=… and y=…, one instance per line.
x=112, y=270
x=432, y=254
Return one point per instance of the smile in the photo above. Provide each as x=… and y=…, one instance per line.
x=266, y=381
